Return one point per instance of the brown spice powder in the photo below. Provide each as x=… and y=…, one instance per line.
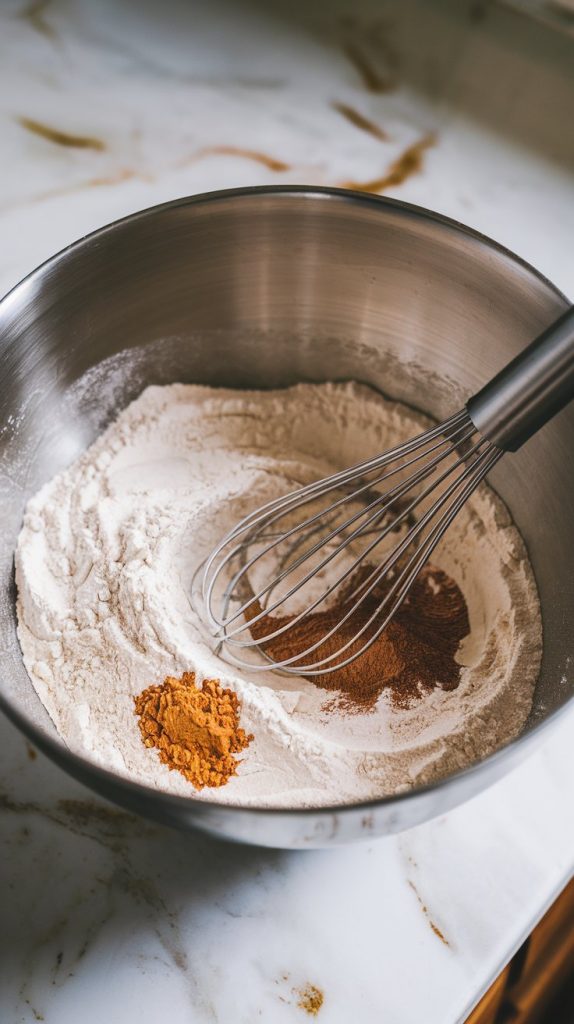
x=310, y=999
x=412, y=656
x=196, y=730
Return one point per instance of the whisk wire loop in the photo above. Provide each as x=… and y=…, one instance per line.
x=278, y=507
x=398, y=590
x=462, y=431
x=330, y=533
x=347, y=540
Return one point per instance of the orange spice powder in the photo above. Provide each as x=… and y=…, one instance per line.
x=195, y=729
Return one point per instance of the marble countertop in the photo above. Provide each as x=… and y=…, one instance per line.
x=108, y=107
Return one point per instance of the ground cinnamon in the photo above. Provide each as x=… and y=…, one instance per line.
x=413, y=655
x=196, y=730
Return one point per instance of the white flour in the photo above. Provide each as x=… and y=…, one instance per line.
x=104, y=566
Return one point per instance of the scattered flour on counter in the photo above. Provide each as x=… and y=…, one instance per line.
x=104, y=567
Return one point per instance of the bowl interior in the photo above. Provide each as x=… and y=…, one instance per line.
x=260, y=290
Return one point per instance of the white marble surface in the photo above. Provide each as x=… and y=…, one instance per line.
x=102, y=916
x=107, y=918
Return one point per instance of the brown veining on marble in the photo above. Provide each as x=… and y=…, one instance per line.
x=124, y=174
x=34, y=13
x=36, y=1013
x=372, y=78
x=252, y=83
x=272, y=163
x=408, y=163
x=86, y=818
x=59, y=137
x=360, y=121
x=88, y=908
x=367, y=44
x=434, y=928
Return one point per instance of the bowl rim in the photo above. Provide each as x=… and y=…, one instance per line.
x=55, y=748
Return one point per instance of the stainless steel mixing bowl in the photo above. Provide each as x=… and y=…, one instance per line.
x=261, y=288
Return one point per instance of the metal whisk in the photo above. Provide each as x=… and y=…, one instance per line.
x=344, y=551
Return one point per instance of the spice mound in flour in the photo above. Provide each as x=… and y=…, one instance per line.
x=196, y=730
x=412, y=656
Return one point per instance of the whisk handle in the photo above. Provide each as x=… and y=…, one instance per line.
x=531, y=389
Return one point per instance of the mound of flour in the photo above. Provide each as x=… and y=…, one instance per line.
x=104, y=569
